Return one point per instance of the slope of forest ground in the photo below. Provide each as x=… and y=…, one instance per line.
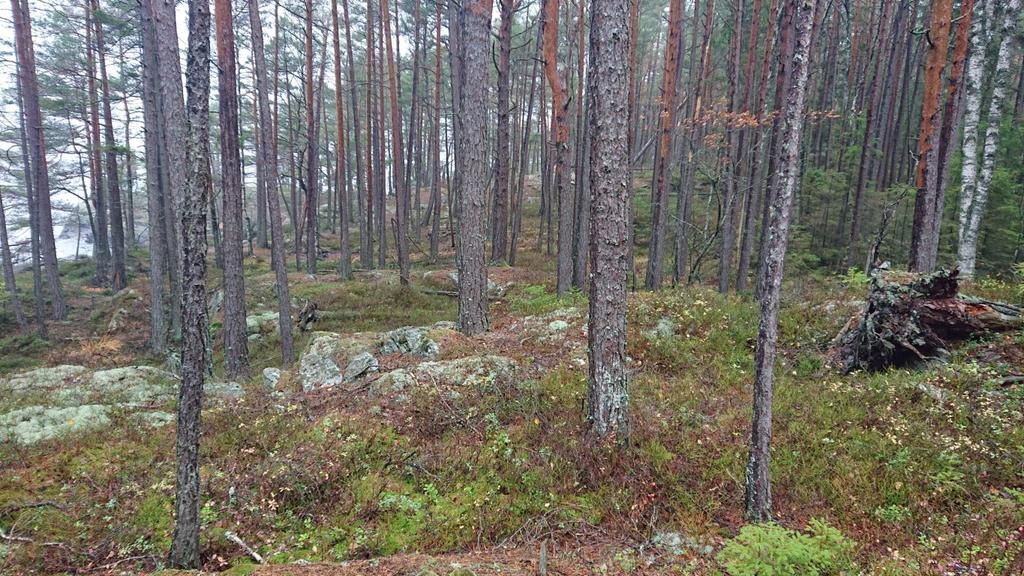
x=920, y=469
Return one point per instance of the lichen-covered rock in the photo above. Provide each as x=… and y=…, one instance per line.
x=479, y=372
x=261, y=323
x=362, y=364
x=224, y=390
x=44, y=378
x=415, y=340
x=38, y=423
x=117, y=320
x=321, y=362
x=271, y=376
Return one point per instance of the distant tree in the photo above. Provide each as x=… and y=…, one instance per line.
x=119, y=276
x=345, y=259
x=607, y=395
x=397, y=160
x=924, y=246
x=236, y=348
x=9, y=281
x=758, y=484
x=475, y=25
x=155, y=180
x=499, y=211
x=36, y=160
x=185, y=537
x=560, y=143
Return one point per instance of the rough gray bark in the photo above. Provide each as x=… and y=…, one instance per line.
x=33, y=119
x=312, y=150
x=185, y=538
x=269, y=160
x=475, y=26
x=236, y=348
x=172, y=106
x=12, y=286
x=607, y=406
x=154, y=190
x=499, y=212
x=758, y=485
x=972, y=202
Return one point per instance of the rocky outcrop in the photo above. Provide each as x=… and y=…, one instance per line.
x=452, y=376
x=321, y=363
x=53, y=402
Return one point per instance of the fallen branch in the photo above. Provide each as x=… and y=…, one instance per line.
x=231, y=536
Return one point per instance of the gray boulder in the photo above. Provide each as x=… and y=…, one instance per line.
x=361, y=365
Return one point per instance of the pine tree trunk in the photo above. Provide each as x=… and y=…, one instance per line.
x=270, y=166
x=397, y=160
x=118, y=279
x=475, y=27
x=758, y=485
x=174, y=122
x=560, y=142
x=155, y=191
x=311, y=150
x=924, y=243
x=236, y=349
x=435, y=184
x=659, y=191
x=185, y=538
x=499, y=214
x=101, y=232
x=610, y=39
x=345, y=257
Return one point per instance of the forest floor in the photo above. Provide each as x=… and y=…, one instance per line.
x=480, y=459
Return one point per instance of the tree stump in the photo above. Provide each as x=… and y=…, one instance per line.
x=907, y=323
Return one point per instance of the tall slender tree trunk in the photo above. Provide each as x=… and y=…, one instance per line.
x=155, y=191
x=758, y=485
x=560, y=142
x=312, y=193
x=236, y=349
x=118, y=279
x=973, y=198
x=174, y=125
x=435, y=183
x=924, y=241
x=732, y=173
x=33, y=212
x=610, y=39
x=345, y=257
x=475, y=30
x=397, y=160
x=659, y=191
x=185, y=538
x=499, y=212
x=33, y=118
x=101, y=232
x=270, y=167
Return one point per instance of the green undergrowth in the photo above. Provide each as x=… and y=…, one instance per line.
x=897, y=472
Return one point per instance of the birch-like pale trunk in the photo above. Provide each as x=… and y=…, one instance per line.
x=974, y=192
